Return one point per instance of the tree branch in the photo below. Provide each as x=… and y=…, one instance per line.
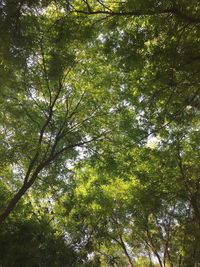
x=137, y=13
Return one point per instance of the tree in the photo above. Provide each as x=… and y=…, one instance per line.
x=44, y=121
x=100, y=111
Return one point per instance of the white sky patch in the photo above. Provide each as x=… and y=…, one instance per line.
x=153, y=141
x=101, y=38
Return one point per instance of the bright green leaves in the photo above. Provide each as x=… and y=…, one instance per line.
x=83, y=98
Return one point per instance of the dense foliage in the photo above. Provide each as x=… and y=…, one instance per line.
x=99, y=134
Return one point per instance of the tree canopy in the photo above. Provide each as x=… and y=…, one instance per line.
x=99, y=133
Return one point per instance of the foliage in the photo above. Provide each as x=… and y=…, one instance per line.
x=99, y=133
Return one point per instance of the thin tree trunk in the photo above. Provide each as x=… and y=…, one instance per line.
x=13, y=202
x=125, y=251
x=16, y=198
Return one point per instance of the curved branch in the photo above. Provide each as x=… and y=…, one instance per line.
x=137, y=13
